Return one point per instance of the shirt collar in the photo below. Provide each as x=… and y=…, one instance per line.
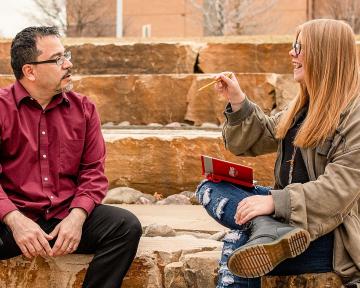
x=21, y=93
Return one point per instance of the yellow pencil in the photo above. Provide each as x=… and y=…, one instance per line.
x=213, y=82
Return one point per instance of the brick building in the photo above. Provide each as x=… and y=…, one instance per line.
x=185, y=18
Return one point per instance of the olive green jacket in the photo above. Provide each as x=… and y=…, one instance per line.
x=331, y=199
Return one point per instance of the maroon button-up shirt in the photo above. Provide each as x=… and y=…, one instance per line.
x=52, y=159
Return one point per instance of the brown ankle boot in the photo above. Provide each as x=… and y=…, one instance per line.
x=270, y=243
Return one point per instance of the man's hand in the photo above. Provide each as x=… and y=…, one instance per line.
x=68, y=232
x=253, y=206
x=28, y=235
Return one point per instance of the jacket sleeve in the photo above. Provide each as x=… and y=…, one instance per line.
x=320, y=206
x=249, y=131
x=92, y=182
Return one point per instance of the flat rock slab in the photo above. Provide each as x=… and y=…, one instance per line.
x=69, y=271
x=168, y=161
x=180, y=217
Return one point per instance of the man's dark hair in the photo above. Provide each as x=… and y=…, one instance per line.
x=23, y=47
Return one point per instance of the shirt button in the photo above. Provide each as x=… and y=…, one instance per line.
x=46, y=178
x=52, y=197
x=44, y=156
x=47, y=211
x=43, y=132
x=31, y=98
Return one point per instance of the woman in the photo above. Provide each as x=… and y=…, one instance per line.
x=317, y=171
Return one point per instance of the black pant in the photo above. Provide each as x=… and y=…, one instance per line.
x=111, y=233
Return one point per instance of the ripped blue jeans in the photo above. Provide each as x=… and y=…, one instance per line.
x=220, y=201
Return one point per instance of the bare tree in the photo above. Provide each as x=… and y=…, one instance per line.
x=346, y=10
x=52, y=13
x=87, y=18
x=73, y=17
x=231, y=17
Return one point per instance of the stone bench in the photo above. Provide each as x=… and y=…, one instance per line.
x=161, y=262
x=311, y=280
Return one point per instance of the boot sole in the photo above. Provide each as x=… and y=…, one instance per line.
x=260, y=259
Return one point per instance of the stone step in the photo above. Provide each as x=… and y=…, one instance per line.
x=190, y=218
x=163, y=99
x=184, y=56
x=167, y=161
x=180, y=261
x=310, y=280
x=155, y=254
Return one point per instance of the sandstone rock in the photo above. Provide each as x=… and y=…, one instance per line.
x=168, y=161
x=130, y=58
x=219, y=236
x=155, y=253
x=199, y=235
x=176, y=199
x=138, y=99
x=209, y=125
x=189, y=218
x=144, y=201
x=285, y=90
x=144, y=272
x=5, y=67
x=201, y=268
x=60, y=272
x=108, y=125
x=124, y=123
x=174, y=99
x=263, y=88
x=154, y=230
x=245, y=57
x=121, y=195
x=149, y=197
x=173, y=125
x=188, y=194
x=5, y=80
x=174, y=275
x=147, y=270
x=192, y=197
x=311, y=280
x=154, y=125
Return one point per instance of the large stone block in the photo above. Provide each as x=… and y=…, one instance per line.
x=155, y=253
x=147, y=270
x=168, y=161
x=139, y=99
x=5, y=67
x=270, y=91
x=201, y=269
x=61, y=272
x=245, y=57
x=138, y=58
x=113, y=57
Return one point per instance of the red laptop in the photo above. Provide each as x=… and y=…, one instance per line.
x=217, y=170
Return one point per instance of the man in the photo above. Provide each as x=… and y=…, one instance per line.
x=52, y=167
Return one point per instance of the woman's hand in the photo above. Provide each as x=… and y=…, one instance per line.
x=253, y=206
x=229, y=87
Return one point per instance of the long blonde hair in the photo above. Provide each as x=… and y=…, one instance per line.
x=331, y=80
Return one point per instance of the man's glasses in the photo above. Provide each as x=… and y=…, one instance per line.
x=297, y=48
x=58, y=60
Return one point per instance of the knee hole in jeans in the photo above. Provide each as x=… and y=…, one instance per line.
x=219, y=207
x=203, y=194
